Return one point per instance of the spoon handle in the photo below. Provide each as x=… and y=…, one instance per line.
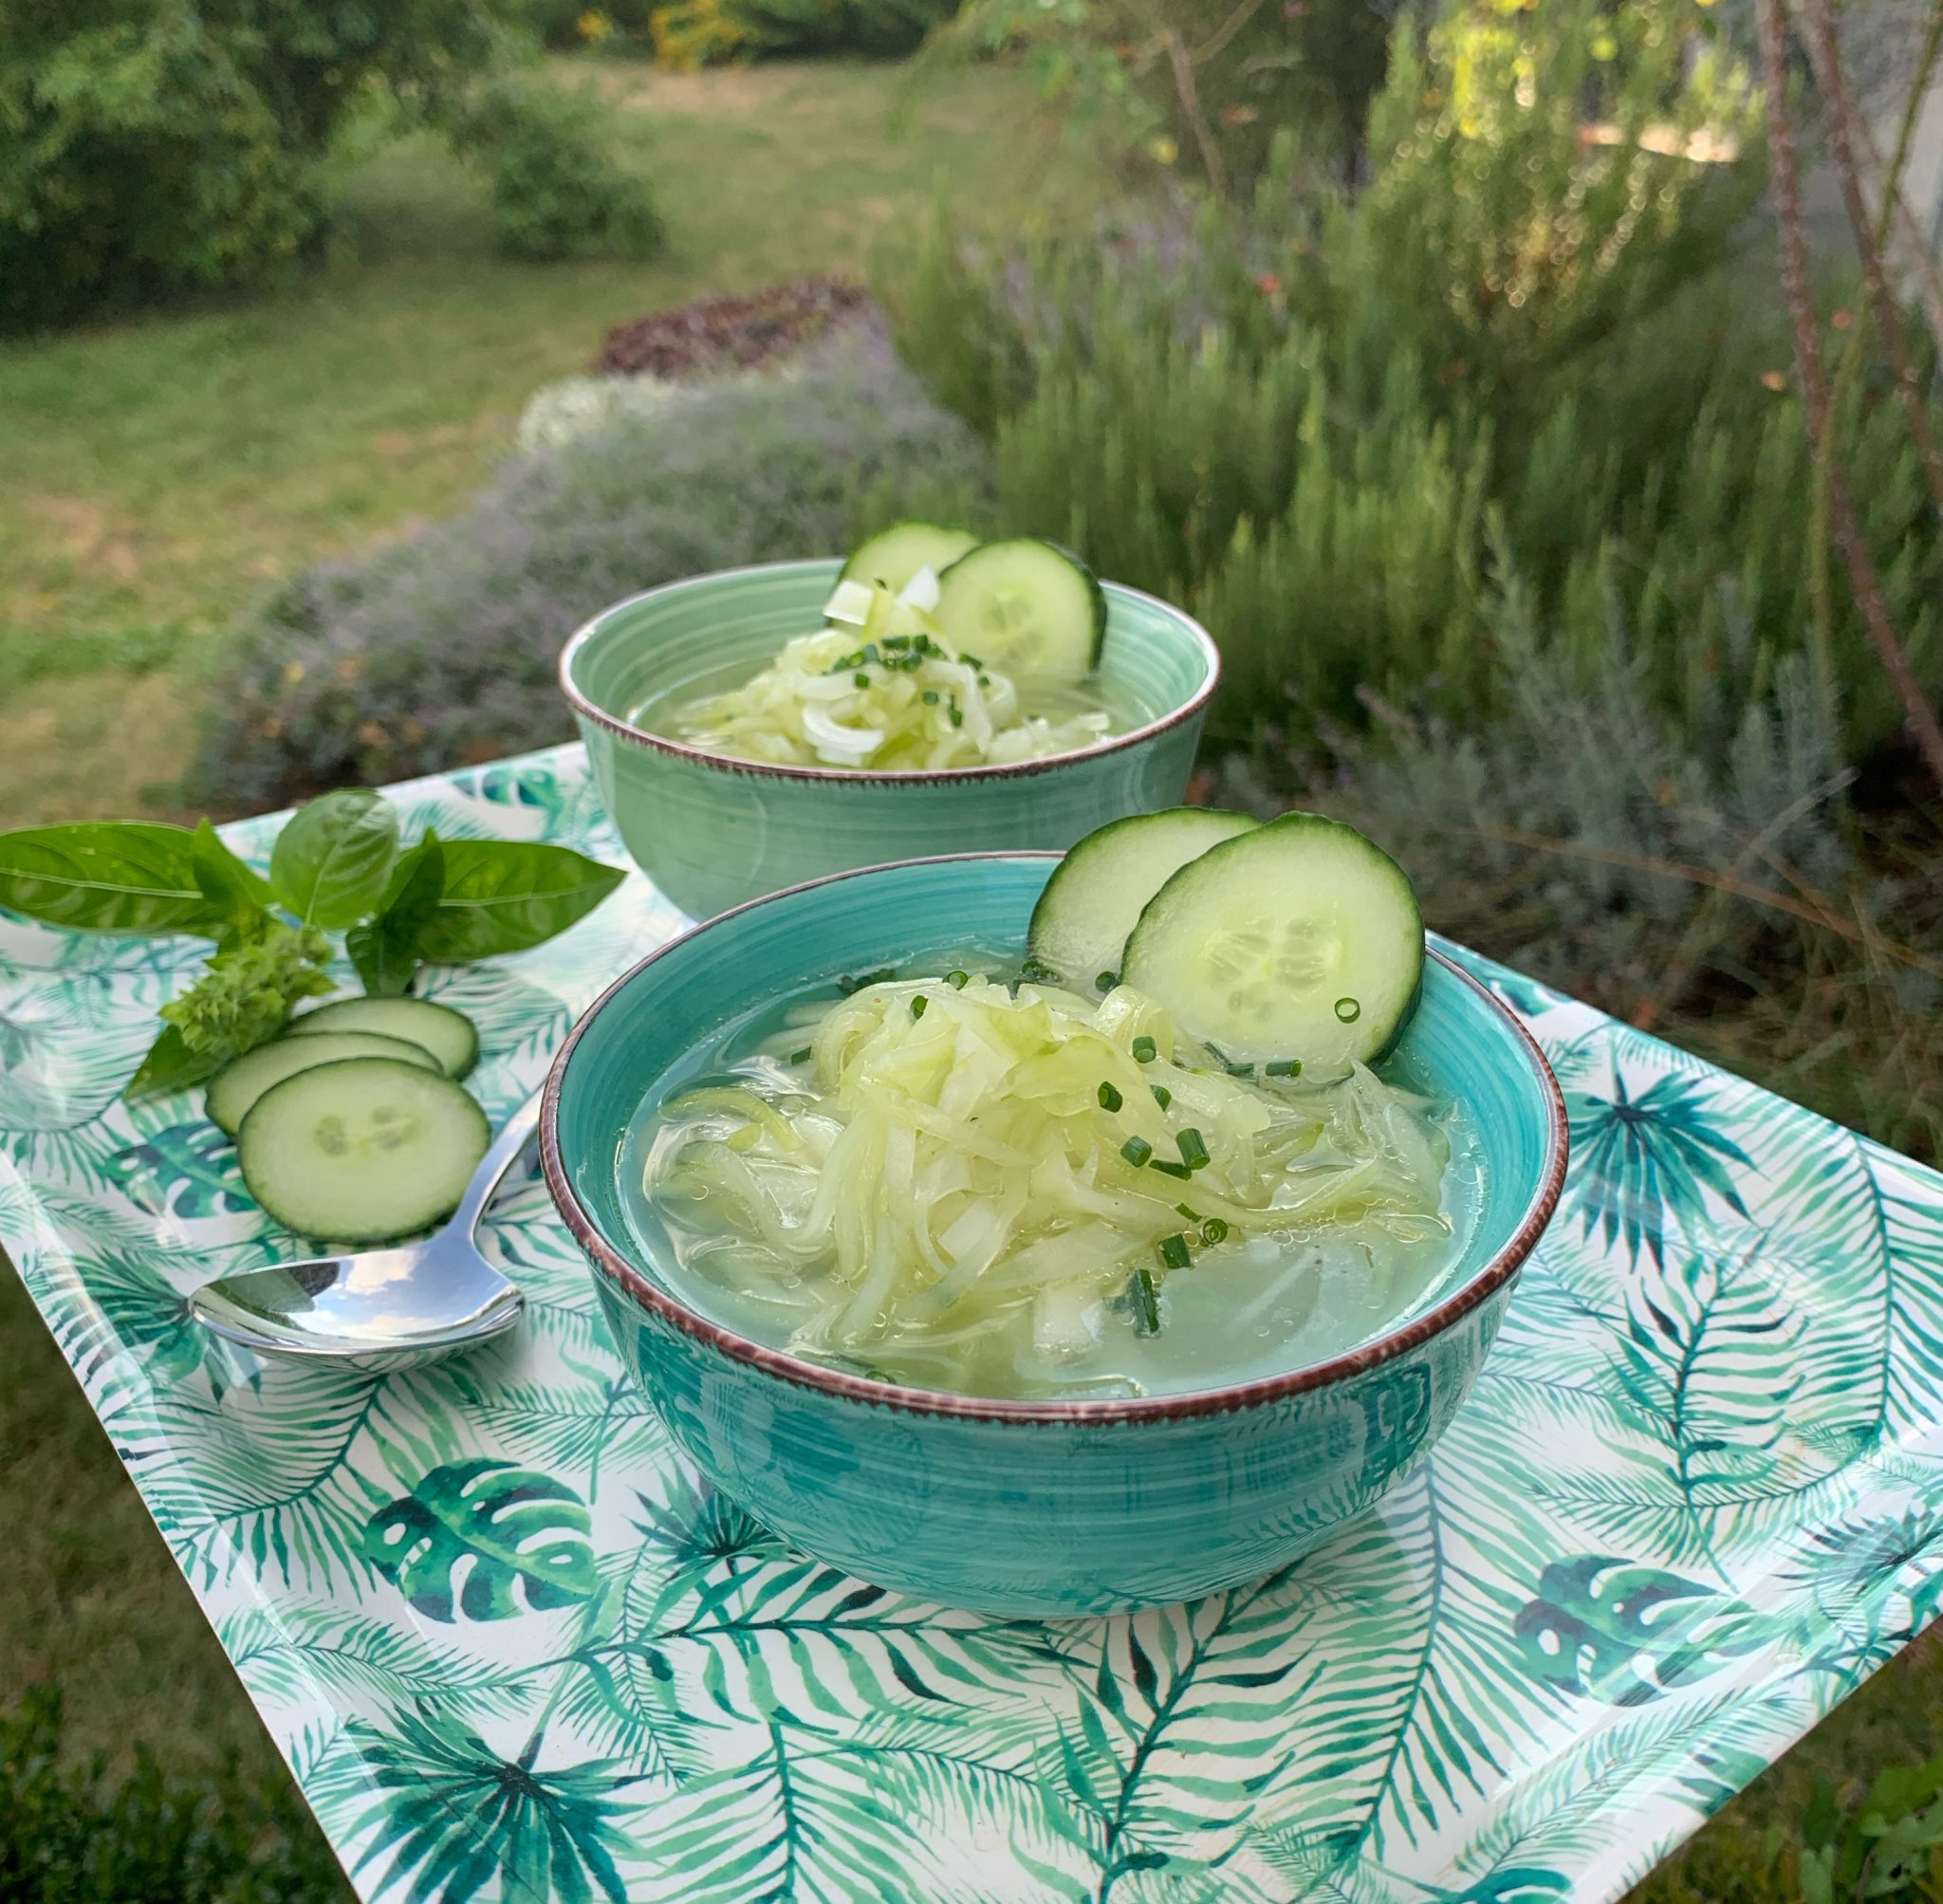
x=514, y=1135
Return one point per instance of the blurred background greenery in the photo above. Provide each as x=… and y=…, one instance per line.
x=1433, y=353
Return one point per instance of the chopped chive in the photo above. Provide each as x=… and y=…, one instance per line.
x=1036, y=970
x=1167, y=1169
x=929, y=697
x=859, y=680
x=1162, y=1096
x=1348, y=1010
x=1192, y=1215
x=1214, y=1231
x=800, y=1057
x=1145, y=1050
x=972, y=661
x=918, y=1006
x=896, y=641
x=870, y=653
x=1146, y=1304
x=957, y=715
x=958, y=980
x=1194, y=1152
x=1174, y=1253
x=1107, y=980
x=1137, y=1151
x=1287, y=1068
x=1109, y=1098
x=985, y=680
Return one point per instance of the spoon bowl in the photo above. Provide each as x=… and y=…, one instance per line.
x=381, y=1309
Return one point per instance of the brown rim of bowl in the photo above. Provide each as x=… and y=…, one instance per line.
x=587, y=710
x=1420, y=1329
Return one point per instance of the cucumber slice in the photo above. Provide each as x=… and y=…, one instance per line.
x=893, y=556
x=1095, y=895
x=362, y=1150
x=243, y=1080
x=1025, y=606
x=1299, y=939
x=447, y=1034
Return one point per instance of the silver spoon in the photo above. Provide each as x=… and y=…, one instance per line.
x=381, y=1309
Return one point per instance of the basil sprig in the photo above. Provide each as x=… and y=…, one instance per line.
x=335, y=867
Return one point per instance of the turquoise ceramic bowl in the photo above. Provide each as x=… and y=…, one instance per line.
x=713, y=833
x=1024, y=1507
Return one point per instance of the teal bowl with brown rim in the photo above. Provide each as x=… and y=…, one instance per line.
x=1024, y=1507
x=713, y=832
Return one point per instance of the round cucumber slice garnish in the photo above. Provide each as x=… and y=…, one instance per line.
x=362, y=1150
x=447, y=1034
x=239, y=1084
x=1025, y=606
x=1097, y=891
x=893, y=556
x=1299, y=939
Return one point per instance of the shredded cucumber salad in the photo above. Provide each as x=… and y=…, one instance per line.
x=939, y=650
x=898, y=702
x=1007, y=1188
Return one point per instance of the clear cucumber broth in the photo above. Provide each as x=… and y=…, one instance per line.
x=1252, y=1307
x=671, y=711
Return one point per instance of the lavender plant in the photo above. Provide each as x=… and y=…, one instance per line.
x=441, y=649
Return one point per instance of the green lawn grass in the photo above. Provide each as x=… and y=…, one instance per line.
x=156, y=475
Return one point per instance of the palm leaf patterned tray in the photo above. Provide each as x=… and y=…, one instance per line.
x=1695, y=1498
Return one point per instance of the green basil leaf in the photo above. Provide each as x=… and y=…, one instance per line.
x=505, y=897
x=105, y=875
x=333, y=860
x=238, y=896
x=385, y=950
x=171, y=1066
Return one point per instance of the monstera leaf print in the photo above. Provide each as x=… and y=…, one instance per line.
x=451, y=1816
x=185, y=1170
x=1628, y=1634
x=1643, y=1163
x=516, y=1650
x=524, y=1534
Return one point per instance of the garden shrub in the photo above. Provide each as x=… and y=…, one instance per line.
x=556, y=191
x=688, y=34
x=441, y=649
x=154, y=148
x=1203, y=86
x=69, y=1836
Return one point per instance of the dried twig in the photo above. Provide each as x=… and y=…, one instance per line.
x=1848, y=535
x=1191, y=105
x=1806, y=910
x=1686, y=954
x=1841, y=129
x=1225, y=32
x=1915, y=253
x=1906, y=130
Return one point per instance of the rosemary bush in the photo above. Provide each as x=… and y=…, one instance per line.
x=1491, y=479
x=1310, y=418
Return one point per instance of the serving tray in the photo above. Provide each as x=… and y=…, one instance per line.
x=512, y=1647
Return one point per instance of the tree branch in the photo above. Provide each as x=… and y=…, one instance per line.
x=1842, y=127
x=1794, y=275
x=1916, y=253
x=1197, y=120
